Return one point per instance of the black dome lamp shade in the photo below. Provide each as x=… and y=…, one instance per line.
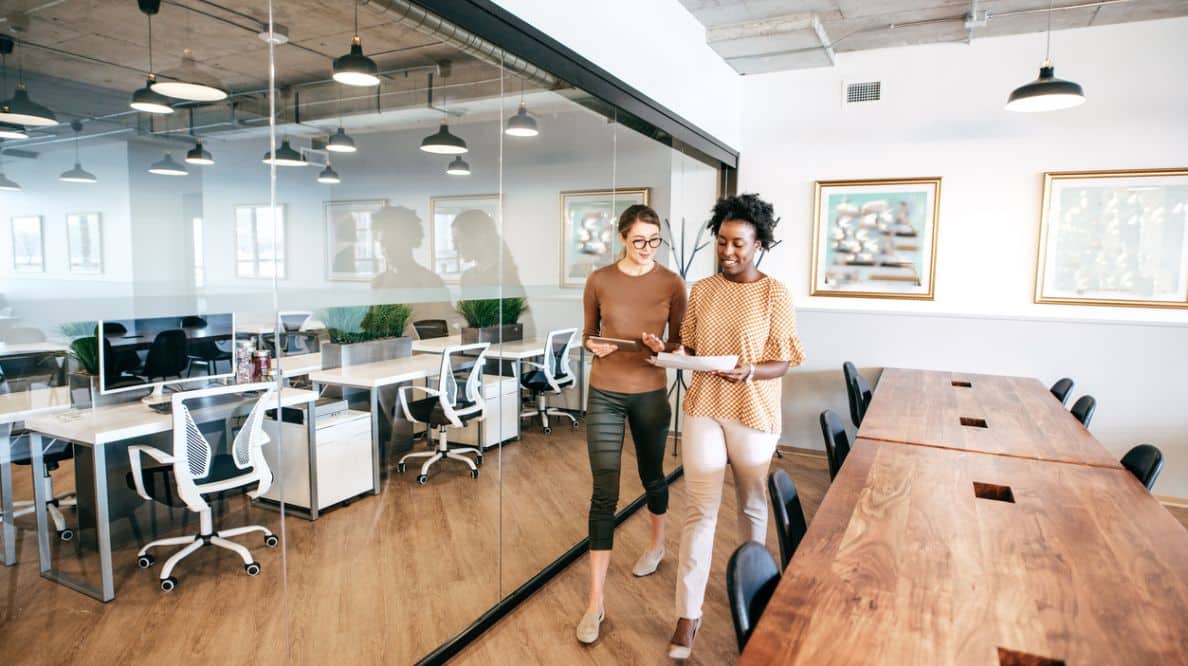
x=167, y=166
x=20, y=109
x=329, y=175
x=285, y=156
x=199, y=155
x=444, y=143
x=354, y=68
x=77, y=174
x=146, y=99
x=458, y=167
x=1047, y=93
x=341, y=142
x=522, y=124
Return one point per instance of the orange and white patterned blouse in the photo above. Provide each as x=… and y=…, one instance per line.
x=754, y=321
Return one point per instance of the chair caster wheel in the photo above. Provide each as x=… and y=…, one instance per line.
x=66, y=534
x=252, y=569
x=168, y=584
x=548, y=431
x=271, y=541
x=574, y=425
x=423, y=479
x=474, y=473
x=145, y=561
x=400, y=467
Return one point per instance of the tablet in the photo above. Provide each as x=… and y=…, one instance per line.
x=624, y=345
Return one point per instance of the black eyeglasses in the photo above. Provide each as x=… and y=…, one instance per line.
x=639, y=243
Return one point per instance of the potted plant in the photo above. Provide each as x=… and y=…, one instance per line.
x=492, y=320
x=361, y=334
x=84, y=381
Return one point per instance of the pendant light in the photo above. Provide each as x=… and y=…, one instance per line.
x=7, y=185
x=354, y=68
x=521, y=124
x=329, y=176
x=199, y=155
x=146, y=99
x=285, y=156
x=20, y=110
x=1047, y=93
x=341, y=142
x=77, y=174
x=444, y=143
x=189, y=81
x=167, y=166
x=8, y=131
x=458, y=167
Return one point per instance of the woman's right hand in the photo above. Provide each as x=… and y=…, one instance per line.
x=600, y=349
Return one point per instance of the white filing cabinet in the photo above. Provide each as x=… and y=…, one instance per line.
x=503, y=414
x=344, y=465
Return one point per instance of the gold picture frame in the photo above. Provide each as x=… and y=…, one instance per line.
x=589, y=219
x=864, y=246
x=1111, y=238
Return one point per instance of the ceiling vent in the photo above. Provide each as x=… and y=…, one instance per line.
x=865, y=92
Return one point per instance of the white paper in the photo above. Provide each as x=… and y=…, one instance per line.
x=701, y=363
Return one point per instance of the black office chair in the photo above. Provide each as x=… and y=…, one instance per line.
x=52, y=456
x=789, y=515
x=751, y=579
x=427, y=329
x=113, y=372
x=1062, y=388
x=837, y=442
x=192, y=322
x=114, y=328
x=1145, y=461
x=1083, y=409
x=168, y=356
x=858, y=392
x=551, y=376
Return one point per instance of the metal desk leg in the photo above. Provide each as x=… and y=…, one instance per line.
x=375, y=435
x=311, y=436
x=519, y=397
x=9, y=528
x=39, y=500
x=103, y=520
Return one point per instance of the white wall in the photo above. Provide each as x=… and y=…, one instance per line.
x=942, y=115
x=656, y=46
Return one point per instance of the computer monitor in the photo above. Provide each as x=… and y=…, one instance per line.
x=162, y=351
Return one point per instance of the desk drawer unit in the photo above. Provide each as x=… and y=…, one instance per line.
x=503, y=406
x=344, y=465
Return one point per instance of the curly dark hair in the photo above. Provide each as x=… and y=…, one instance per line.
x=746, y=208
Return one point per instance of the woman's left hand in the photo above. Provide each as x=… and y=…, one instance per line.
x=654, y=343
x=738, y=374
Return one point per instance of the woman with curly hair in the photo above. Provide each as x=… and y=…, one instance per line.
x=731, y=416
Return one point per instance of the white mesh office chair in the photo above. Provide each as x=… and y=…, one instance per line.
x=457, y=400
x=196, y=472
x=550, y=377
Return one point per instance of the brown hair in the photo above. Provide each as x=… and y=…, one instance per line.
x=637, y=213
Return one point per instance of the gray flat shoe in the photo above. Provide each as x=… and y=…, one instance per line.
x=647, y=563
x=587, y=629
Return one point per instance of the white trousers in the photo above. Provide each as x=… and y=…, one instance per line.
x=707, y=445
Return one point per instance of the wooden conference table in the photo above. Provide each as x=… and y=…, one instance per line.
x=999, y=548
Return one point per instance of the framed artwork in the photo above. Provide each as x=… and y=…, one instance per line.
x=353, y=251
x=28, y=244
x=448, y=262
x=260, y=241
x=875, y=238
x=588, y=236
x=84, y=240
x=1114, y=238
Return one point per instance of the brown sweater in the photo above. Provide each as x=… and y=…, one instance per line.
x=625, y=306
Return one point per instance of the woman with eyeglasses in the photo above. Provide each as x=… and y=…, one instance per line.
x=633, y=299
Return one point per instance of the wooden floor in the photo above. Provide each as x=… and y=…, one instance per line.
x=390, y=577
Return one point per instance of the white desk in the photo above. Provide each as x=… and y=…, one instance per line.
x=95, y=428
x=299, y=365
x=515, y=351
x=373, y=376
x=29, y=348
x=16, y=407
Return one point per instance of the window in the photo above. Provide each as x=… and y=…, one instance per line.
x=259, y=242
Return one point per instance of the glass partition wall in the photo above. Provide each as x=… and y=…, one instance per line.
x=363, y=238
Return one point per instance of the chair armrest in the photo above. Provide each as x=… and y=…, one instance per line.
x=134, y=452
x=531, y=364
x=405, y=390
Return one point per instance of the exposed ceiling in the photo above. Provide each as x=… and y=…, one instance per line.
x=83, y=59
x=756, y=36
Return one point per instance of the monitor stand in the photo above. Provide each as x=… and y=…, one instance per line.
x=157, y=396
